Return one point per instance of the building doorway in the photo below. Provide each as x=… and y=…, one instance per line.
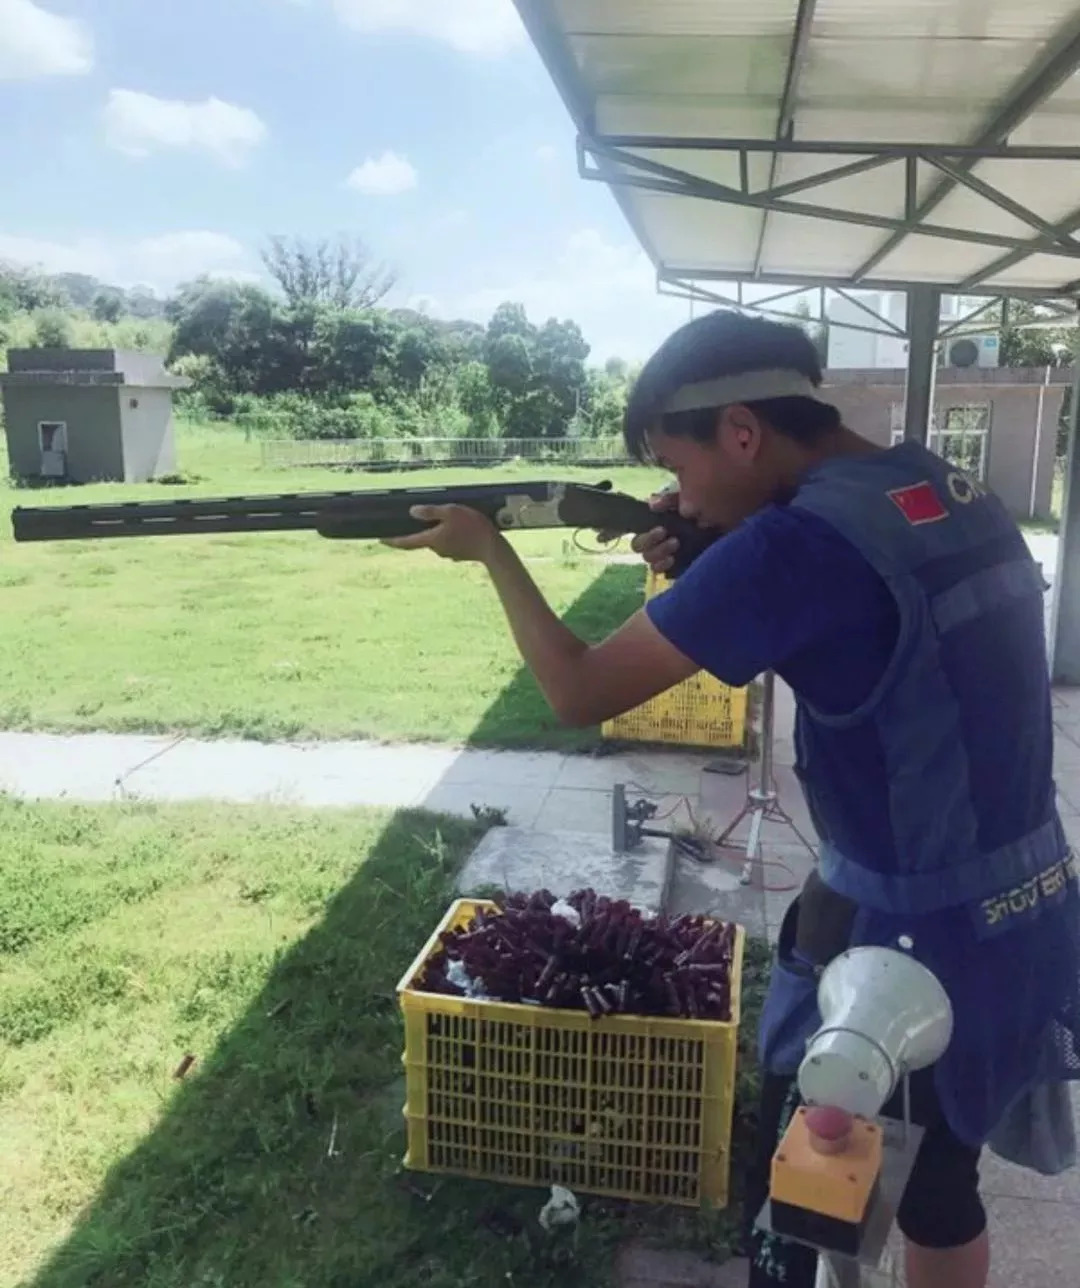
x=53, y=446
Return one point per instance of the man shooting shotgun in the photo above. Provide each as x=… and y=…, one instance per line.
x=899, y=601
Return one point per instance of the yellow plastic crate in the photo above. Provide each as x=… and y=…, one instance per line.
x=700, y=712
x=630, y=1107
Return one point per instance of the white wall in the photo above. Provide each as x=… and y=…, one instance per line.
x=859, y=349
x=149, y=443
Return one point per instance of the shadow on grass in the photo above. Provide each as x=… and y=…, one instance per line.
x=520, y=711
x=278, y=1164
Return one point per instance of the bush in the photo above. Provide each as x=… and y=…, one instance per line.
x=295, y=415
x=210, y=396
x=52, y=330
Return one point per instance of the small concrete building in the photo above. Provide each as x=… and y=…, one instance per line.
x=88, y=415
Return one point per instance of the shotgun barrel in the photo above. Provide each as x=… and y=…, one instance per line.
x=362, y=515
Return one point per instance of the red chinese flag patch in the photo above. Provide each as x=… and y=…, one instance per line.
x=919, y=503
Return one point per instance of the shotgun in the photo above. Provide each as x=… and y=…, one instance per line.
x=365, y=515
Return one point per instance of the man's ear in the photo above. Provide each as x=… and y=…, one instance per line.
x=740, y=431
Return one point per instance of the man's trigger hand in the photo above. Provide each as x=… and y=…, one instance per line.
x=657, y=548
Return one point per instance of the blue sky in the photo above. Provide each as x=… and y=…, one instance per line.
x=149, y=140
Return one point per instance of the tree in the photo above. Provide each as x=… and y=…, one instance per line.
x=9, y=300
x=1026, y=346
x=419, y=350
x=351, y=351
x=538, y=375
x=29, y=290
x=508, y=348
x=238, y=326
x=78, y=289
x=605, y=407
x=107, y=306
x=476, y=398
x=336, y=273
x=141, y=302
x=560, y=373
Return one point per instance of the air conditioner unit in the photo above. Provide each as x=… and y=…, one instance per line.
x=973, y=351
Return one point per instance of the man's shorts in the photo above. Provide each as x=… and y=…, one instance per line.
x=941, y=1207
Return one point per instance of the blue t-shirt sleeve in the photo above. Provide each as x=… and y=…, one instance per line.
x=782, y=583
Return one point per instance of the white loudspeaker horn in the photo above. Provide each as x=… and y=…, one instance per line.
x=884, y=1015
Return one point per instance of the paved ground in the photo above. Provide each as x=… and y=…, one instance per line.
x=536, y=789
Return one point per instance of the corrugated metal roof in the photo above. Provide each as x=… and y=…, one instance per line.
x=713, y=119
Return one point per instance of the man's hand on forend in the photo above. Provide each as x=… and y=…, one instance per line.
x=459, y=533
x=656, y=547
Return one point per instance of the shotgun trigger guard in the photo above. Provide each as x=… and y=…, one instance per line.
x=522, y=511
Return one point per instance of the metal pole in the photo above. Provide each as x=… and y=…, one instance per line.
x=768, y=725
x=924, y=317
x=1065, y=618
x=762, y=802
x=1037, y=449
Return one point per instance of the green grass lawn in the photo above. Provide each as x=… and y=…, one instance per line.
x=283, y=636
x=267, y=944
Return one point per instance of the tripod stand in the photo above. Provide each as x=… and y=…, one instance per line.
x=762, y=801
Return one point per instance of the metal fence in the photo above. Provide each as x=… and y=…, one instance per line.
x=388, y=453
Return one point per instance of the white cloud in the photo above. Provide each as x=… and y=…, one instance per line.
x=140, y=124
x=161, y=262
x=35, y=42
x=547, y=153
x=608, y=288
x=385, y=176
x=489, y=28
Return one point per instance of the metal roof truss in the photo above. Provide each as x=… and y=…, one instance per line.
x=838, y=142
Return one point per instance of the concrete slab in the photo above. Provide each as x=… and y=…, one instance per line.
x=572, y=809
x=1034, y=1245
x=314, y=775
x=520, y=805
x=760, y=907
x=715, y=891
x=661, y=773
x=723, y=798
x=509, y=768
x=1002, y=1180
x=105, y=766
x=1067, y=710
x=518, y=859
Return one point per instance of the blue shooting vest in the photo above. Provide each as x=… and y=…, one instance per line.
x=935, y=801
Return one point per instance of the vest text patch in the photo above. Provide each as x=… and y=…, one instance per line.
x=1024, y=903
x=919, y=503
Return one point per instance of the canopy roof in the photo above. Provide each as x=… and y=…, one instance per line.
x=870, y=143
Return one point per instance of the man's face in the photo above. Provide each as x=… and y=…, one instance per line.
x=723, y=481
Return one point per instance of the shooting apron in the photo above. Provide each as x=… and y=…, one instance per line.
x=935, y=802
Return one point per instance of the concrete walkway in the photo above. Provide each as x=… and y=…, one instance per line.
x=536, y=789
